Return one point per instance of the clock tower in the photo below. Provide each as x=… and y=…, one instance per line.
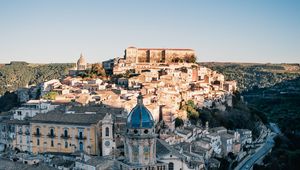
x=108, y=144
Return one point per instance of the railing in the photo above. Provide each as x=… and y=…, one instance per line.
x=65, y=137
x=37, y=134
x=20, y=132
x=27, y=133
x=51, y=135
x=80, y=137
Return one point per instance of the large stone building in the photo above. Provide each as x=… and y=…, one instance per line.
x=67, y=133
x=158, y=55
x=138, y=59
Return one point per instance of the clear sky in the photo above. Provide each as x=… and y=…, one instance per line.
x=233, y=30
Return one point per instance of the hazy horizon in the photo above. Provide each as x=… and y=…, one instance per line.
x=219, y=31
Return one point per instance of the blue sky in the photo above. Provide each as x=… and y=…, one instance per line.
x=233, y=30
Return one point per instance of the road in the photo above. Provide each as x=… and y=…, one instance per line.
x=275, y=128
x=248, y=163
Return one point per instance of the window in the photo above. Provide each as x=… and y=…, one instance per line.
x=106, y=131
x=51, y=132
x=146, y=152
x=80, y=146
x=19, y=113
x=66, y=144
x=135, y=153
x=38, y=142
x=66, y=133
x=80, y=135
x=37, y=131
x=21, y=139
x=20, y=130
x=52, y=143
x=27, y=140
x=171, y=166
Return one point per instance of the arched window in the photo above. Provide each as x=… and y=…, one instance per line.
x=66, y=133
x=80, y=135
x=37, y=131
x=51, y=132
x=171, y=166
x=106, y=131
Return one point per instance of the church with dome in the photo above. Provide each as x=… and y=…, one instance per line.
x=81, y=63
x=81, y=66
x=143, y=150
x=140, y=140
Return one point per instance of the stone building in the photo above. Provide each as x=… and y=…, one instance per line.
x=68, y=133
x=19, y=134
x=158, y=55
x=32, y=108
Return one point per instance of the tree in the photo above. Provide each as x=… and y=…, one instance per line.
x=50, y=96
x=190, y=58
x=98, y=70
x=190, y=107
x=8, y=101
x=178, y=122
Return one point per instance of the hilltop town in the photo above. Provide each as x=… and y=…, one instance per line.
x=139, y=111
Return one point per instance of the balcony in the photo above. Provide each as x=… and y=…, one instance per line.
x=20, y=132
x=65, y=137
x=51, y=135
x=36, y=134
x=80, y=137
x=27, y=133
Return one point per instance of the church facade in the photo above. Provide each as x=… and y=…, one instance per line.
x=140, y=141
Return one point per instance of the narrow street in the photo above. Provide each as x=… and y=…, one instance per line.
x=260, y=153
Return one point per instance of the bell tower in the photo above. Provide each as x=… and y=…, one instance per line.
x=108, y=144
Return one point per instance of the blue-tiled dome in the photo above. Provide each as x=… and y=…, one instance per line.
x=140, y=116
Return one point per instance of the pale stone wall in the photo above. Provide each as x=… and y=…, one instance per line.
x=142, y=56
x=22, y=140
x=148, y=55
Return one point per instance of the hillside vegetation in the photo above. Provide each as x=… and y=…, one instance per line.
x=249, y=75
x=281, y=105
x=22, y=74
x=272, y=91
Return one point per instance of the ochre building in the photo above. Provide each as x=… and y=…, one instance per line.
x=158, y=55
x=69, y=133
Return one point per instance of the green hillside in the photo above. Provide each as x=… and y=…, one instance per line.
x=22, y=74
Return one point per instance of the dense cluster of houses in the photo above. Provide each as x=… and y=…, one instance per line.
x=88, y=116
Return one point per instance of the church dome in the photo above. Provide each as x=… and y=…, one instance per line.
x=81, y=63
x=140, y=116
x=81, y=60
